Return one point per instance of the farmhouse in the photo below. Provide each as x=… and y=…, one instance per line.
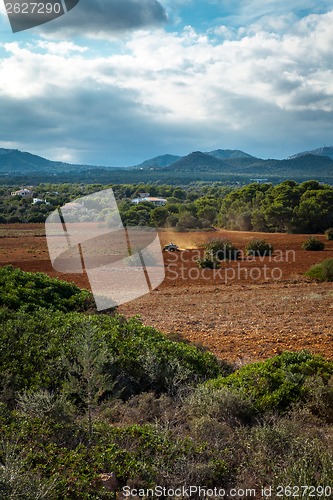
x=25, y=193
x=158, y=202
x=39, y=200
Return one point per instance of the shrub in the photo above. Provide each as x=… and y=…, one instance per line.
x=323, y=271
x=313, y=244
x=329, y=233
x=140, y=359
x=34, y=290
x=16, y=482
x=258, y=247
x=43, y=404
x=222, y=404
x=220, y=249
x=320, y=397
x=283, y=451
x=279, y=382
x=140, y=409
x=207, y=263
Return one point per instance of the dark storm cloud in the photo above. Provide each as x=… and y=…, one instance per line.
x=108, y=16
x=101, y=128
x=104, y=127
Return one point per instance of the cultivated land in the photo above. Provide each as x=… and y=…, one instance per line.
x=247, y=311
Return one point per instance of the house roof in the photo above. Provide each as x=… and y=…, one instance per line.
x=153, y=198
x=150, y=199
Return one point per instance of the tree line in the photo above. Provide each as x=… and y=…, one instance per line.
x=287, y=207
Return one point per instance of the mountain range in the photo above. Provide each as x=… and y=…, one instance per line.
x=222, y=165
x=324, y=151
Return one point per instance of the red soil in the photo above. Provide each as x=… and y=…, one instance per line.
x=246, y=311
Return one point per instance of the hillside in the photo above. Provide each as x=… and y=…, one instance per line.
x=227, y=166
x=18, y=162
x=204, y=166
x=159, y=161
x=222, y=154
x=197, y=162
x=325, y=151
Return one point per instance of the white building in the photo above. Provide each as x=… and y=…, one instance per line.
x=37, y=200
x=158, y=202
x=25, y=193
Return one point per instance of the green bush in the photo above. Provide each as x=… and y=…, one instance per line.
x=212, y=434
x=33, y=349
x=187, y=445
x=258, y=247
x=221, y=404
x=220, y=249
x=279, y=382
x=207, y=263
x=34, y=290
x=329, y=233
x=44, y=404
x=285, y=451
x=18, y=483
x=323, y=271
x=313, y=244
x=319, y=399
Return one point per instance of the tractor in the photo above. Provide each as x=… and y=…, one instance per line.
x=171, y=247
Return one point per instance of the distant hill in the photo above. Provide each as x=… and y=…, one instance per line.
x=196, y=161
x=159, y=161
x=324, y=151
x=227, y=166
x=200, y=166
x=223, y=154
x=16, y=162
x=205, y=162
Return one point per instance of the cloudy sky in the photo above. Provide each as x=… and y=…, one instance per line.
x=114, y=82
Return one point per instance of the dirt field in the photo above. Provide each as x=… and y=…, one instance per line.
x=246, y=311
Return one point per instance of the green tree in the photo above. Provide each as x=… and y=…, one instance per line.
x=159, y=216
x=278, y=217
x=179, y=193
x=187, y=221
x=88, y=380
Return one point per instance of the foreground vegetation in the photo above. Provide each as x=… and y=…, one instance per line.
x=84, y=394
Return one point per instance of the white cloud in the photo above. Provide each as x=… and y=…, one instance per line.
x=62, y=48
x=188, y=72
x=187, y=89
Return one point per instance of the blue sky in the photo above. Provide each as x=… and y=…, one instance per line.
x=115, y=82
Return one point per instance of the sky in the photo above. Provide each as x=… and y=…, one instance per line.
x=115, y=82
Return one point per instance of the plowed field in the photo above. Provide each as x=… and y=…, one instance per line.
x=245, y=311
